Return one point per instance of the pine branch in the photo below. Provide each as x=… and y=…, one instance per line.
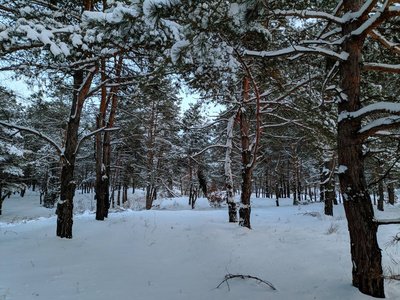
x=307, y=14
x=382, y=67
x=205, y=149
x=392, y=122
x=298, y=50
x=102, y=129
x=35, y=132
x=389, y=45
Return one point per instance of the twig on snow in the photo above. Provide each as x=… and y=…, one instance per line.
x=230, y=276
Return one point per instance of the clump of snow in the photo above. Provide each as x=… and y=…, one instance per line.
x=177, y=48
x=342, y=169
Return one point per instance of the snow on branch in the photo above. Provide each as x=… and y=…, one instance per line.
x=388, y=107
x=391, y=122
x=382, y=67
x=365, y=9
x=387, y=221
x=336, y=12
x=5, y=8
x=389, y=45
x=394, y=10
x=207, y=148
x=102, y=129
x=307, y=14
x=35, y=132
x=299, y=49
x=375, y=20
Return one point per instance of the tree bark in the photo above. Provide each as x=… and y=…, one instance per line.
x=230, y=198
x=103, y=149
x=390, y=189
x=65, y=205
x=381, y=197
x=247, y=166
x=327, y=188
x=2, y=198
x=296, y=178
x=365, y=252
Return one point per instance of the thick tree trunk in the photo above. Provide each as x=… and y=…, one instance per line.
x=365, y=252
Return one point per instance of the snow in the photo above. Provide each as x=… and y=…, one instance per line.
x=380, y=122
x=342, y=169
x=176, y=50
x=389, y=107
x=173, y=252
x=299, y=49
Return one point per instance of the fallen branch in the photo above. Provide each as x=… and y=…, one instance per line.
x=230, y=276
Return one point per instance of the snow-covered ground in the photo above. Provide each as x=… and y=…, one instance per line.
x=173, y=252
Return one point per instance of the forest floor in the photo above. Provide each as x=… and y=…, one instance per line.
x=172, y=252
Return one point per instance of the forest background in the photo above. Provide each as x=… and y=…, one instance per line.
x=309, y=90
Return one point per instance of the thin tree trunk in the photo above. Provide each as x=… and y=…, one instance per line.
x=296, y=179
x=245, y=206
x=381, y=197
x=327, y=189
x=100, y=185
x=150, y=157
x=2, y=198
x=390, y=189
x=103, y=153
x=230, y=198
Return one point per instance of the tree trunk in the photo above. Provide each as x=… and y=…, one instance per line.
x=327, y=188
x=296, y=178
x=381, y=197
x=230, y=198
x=65, y=205
x=2, y=198
x=390, y=189
x=365, y=251
x=103, y=150
x=247, y=169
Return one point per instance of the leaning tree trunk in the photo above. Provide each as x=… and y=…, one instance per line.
x=365, y=252
x=2, y=198
x=65, y=204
